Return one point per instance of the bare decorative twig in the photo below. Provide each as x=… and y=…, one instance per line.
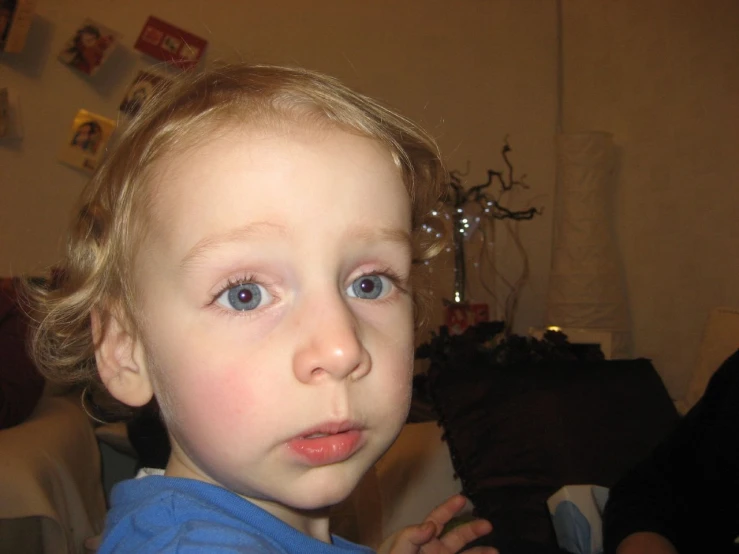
x=492, y=208
x=479, y=194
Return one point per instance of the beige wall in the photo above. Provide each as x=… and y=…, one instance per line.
x=661, y=75
x=470, y=71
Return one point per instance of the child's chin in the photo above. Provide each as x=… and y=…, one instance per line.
x=322, y=497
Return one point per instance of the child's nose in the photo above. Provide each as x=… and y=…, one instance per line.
x=329, y=345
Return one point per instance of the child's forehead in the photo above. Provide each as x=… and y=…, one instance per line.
x=196, y=149
x=252, y=146
x=279, y=133
x=326, y=192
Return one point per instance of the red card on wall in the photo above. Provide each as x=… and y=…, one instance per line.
x=171, y=44
x=461, y=315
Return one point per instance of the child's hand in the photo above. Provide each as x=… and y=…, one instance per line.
x=93, y=543
x=426, y=537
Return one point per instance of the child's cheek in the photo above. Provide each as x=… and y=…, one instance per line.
x=215, y=403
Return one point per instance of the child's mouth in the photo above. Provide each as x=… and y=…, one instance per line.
x=324, y=448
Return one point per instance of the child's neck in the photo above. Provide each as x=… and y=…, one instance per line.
x=314, y=523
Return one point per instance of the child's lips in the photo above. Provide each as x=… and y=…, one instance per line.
x=328, y=444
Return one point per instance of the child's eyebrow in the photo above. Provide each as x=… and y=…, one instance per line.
x=239, y=234
x=266, y=228
x=381, y=234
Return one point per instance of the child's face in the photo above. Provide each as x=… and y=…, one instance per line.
x=278, y=331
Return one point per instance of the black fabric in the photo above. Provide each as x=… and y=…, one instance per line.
x=518, y=433
x=21, y=384
x=688, y=489
x=148, y=436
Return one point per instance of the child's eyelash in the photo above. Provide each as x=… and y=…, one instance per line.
x=234, y=282
x=395, y=278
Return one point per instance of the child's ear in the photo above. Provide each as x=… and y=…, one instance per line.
x=120, y=358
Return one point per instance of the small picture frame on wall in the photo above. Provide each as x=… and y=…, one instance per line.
x=166, y=42
x=15, y=21
x=140, y=90
x=89, y=47
x=85, y=144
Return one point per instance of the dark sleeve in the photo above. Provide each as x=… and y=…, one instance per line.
x=688, y=489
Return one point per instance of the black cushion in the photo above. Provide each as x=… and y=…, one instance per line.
x=518, y=433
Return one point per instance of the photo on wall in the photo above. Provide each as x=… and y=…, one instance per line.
x=164, y=41
x=7, y=10
x=15, y=21
x=89, y=47
x=141, y=89
x=85, y=144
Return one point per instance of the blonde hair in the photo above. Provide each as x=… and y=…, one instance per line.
x=95, y=274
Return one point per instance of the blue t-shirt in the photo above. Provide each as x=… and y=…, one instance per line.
x=159, y=514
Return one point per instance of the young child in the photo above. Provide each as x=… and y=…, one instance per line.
x=244, y=255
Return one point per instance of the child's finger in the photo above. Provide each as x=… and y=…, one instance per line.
x=457, y=538
x=93, y=543
x=443, y=513
x=409, y=540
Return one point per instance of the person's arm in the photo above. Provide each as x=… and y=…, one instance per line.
x=687, y=490
x=646, y=543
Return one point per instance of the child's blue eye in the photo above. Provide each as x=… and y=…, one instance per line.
x=244, y=297
x=369, y=287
